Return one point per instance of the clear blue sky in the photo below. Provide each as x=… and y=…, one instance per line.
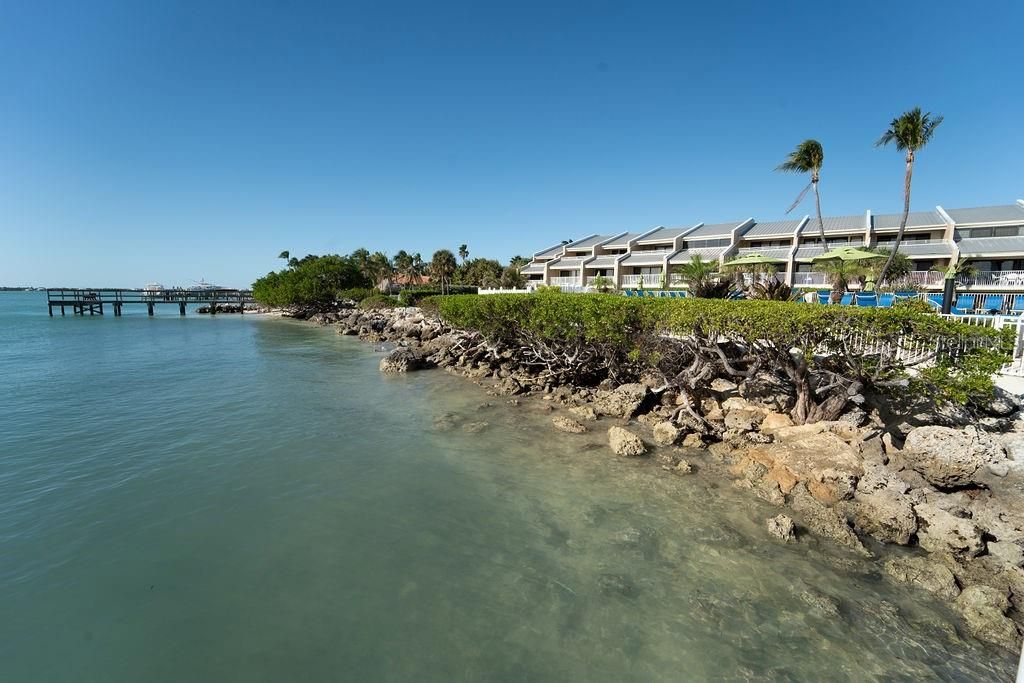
x=144, y=141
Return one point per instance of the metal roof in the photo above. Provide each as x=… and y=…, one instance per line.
x=714, y=230
x=532, y=269
x=548, y=253
x=603, y=261
x=664, y=235
x=915, y=219
x=568, y=262
x=834, y=224
x=784, y=228
x=991, y=245
x=1006, y=213
x=706, y=253
x=640, y=258
x=769, y=252
x=808, y=252
x=589, y=242
x=621, y=241
x=933, y=248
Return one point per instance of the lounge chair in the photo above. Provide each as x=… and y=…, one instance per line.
x=1018, y=304
x=993, y=304
x=847, y=299
x=628, y=292
x=867, y=300
x=886, y=300
x=824, y=297
x=965, y=302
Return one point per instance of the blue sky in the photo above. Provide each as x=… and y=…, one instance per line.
x=173, y=141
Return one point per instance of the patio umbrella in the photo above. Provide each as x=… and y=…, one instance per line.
x=754, y=260
x=848, y=254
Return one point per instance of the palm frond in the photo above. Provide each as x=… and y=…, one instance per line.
x=800, y=197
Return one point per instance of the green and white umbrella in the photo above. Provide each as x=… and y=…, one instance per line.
x=847, y=254
x=754, y=260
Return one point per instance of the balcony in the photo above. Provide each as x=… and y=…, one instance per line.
x=650, y=280
x=1010, y=279
x=571, y=282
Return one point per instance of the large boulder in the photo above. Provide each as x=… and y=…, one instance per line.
x=882, y=509
x=941, y=531
x=984, y=611
x=826, y=463
x=950, y=458
x=824, y=521
x=403, y=359
x=782, y=527
x=625, y=401
x=925, y=573
x=624, y=442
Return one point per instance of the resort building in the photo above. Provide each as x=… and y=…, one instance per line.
x=991, y=238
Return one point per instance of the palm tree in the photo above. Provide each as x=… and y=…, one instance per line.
x=442, y=267
x=700, y=277
x=463, y=252
x=910, y=132
x=381, y=270
x=840, y=272
x=807, y=158
x=361, y=258
x=284, y=255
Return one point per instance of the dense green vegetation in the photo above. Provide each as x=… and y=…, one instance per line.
x=822, y=354
x=322, y=280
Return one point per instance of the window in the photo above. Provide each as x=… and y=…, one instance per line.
x=1009, y=231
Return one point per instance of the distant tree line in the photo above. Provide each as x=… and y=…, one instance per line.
x=314, y=280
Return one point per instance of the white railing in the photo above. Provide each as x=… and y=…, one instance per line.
x=995, y=278
x=813, y=279
x=500, y=290
x=651, y=281
x=926, y=278
x=566, y=282
x=645, y=252
x=1015, y=368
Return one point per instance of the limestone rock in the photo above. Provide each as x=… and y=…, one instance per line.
x=782, y=527
x=775, y=421
x=403, y=359
x=984, y=611
x=683, y=467
x=692, y=440
x=743, y=419
x=666, y=433
x=723, y=386
x=949, y=457
x=830, y=465
x=1008, y=552
x=624, y=442
x=583, y=413
x=566, y=424
x=921, y=571
x=825, y=521
x=625, y=401
x=941, y=531
x=886, y=515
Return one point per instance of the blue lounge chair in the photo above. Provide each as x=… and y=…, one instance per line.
x=964, y=302
x=993, y=303
x=867, y=300
x=1018, y=304
x=629, y=292
x=676, y=295
x=846, y=300
x=886, y=300
x=824, y=297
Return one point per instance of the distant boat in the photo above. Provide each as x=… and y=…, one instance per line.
x=154, y=287
x=203, y=284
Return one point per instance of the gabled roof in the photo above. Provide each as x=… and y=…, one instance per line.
x=714, y=230
x=706, y=253
x=664, y=235
x=775, y=228
x=915, y=219
x=621, y=241
x=589, y=242
x=548, y=253
x=1006, y=213
x=834, y=224
x=606, y=261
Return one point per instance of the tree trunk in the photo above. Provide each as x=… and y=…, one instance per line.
x=821, y=223
x=903, y=221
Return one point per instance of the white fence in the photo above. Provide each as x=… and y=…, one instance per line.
x=499, y=290
x=995, y=278
x=1015, y=368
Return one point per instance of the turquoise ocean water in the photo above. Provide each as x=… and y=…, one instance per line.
x=247, y=498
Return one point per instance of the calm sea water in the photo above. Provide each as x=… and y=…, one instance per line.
x=244, y=498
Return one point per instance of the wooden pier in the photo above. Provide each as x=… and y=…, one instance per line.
x=94, y=300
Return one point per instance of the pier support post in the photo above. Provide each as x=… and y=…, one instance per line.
x=50, y=306
x=213, y=308
x=149, y=308
x=181, y=308
x=101, y=308
x=62, y=309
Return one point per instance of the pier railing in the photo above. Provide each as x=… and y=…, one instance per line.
x=94, y=299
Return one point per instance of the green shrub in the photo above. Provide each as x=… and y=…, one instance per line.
x=313, y=280
x=413, y=295
x=573, y=335
x=358, y=293
x=377, y=300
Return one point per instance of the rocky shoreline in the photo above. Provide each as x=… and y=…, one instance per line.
x=934, y=496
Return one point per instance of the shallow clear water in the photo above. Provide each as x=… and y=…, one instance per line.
x=249, y=499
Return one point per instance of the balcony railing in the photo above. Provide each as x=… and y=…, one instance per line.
x=994, y=278
x=650, y=280
x=566, y=282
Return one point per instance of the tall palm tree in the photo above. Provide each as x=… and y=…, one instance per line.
x=807, y=158
x=442, y=267
x=284, y=255
x=381, y=270
x=361, y=258
x=910, y=132
x=463, y=252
